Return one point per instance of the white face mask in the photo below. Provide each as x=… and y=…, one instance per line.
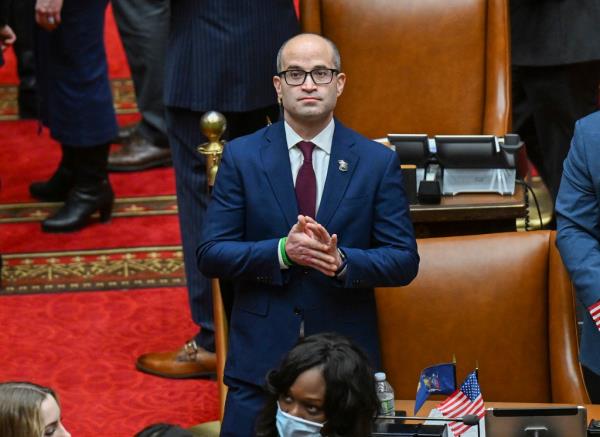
x=292, y=426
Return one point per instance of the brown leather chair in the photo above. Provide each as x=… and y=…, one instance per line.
x=503, y=301
x=419, y=66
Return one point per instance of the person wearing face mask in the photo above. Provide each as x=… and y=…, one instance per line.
x=28, y=409
x=324, y=386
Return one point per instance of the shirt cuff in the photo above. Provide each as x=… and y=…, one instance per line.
x=595, y=313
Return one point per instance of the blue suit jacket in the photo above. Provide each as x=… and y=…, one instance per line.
x=221, y=53
x=254, y=205
x=578, y=223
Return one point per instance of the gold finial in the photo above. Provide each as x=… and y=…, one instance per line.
x=454, y=358
x=213, y=125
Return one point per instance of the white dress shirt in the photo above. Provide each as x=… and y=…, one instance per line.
x=320, y=158
x=320, y=155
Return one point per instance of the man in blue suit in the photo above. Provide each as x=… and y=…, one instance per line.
x=307, y=216
x=578, y=239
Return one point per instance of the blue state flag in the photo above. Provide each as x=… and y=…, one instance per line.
x=438, y=379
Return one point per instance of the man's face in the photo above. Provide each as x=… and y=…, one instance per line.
x=309, y=102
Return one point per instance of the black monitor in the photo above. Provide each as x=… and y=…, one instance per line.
x=411, y=148
x=471, y=151
x=536, y=422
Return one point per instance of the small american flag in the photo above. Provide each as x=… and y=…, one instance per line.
x=595, y=312
x=466, y=400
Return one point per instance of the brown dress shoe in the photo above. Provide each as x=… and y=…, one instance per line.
x=191, y=361
x=139, y=154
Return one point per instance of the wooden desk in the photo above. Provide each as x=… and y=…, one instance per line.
x=593, y=410
x=469, y=214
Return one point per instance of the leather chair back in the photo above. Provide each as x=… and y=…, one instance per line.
x=501, y=301
x=419, y=66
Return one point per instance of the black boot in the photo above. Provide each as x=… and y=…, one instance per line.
x=60, y=183
x=92, y=192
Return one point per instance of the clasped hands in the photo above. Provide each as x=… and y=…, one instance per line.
x=309, y=244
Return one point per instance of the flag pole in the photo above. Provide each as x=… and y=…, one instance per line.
x=477, y=375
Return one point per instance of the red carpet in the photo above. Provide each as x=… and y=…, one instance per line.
x=37, y=156
x=85, y=344
x=120, y=232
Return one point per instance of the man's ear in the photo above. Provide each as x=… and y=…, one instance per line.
x=277, y=85
x=340, y=81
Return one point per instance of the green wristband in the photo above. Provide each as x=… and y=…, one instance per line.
x=288, y=262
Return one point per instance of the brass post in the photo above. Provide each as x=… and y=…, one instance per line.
x=213, y=125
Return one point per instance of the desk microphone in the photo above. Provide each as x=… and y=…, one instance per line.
x=468, y=419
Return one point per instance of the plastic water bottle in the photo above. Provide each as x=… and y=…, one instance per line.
x=385, y=394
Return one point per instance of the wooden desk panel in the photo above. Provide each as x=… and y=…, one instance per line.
x=469, y=214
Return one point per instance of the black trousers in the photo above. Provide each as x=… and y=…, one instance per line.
x=547, y=101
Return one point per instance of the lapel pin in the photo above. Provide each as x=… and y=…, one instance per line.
x=343, y=165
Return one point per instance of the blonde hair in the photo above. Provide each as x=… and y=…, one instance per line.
x=20, y=409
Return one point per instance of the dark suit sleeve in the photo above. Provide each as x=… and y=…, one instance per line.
x=578, y=219
x=223, y=252
x=393, y=259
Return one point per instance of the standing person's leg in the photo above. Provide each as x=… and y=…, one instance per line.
x=185, y=135
x=558, y=96
x=144, y=29
x=192, y=198
x=243, y=405
x=77, y=108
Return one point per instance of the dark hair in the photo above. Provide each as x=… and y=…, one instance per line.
x=350, y=399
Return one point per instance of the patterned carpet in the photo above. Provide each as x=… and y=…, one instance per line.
x=122, y=90
x=84, y=345
x=124, y=207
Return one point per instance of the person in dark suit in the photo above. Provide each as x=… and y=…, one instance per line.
x=556, y=72
x=76, y=106
x=306, y=217
x=578, y=238
x=220, y=56
x=144, y=29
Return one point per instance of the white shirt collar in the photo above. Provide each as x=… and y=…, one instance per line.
x=322, y=140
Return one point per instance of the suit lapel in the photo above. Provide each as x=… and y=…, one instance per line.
x=342, y=164
x=276, y=160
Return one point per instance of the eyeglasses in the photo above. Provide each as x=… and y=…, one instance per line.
x=319, y=76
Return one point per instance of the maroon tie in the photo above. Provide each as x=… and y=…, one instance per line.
x=306, y=182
